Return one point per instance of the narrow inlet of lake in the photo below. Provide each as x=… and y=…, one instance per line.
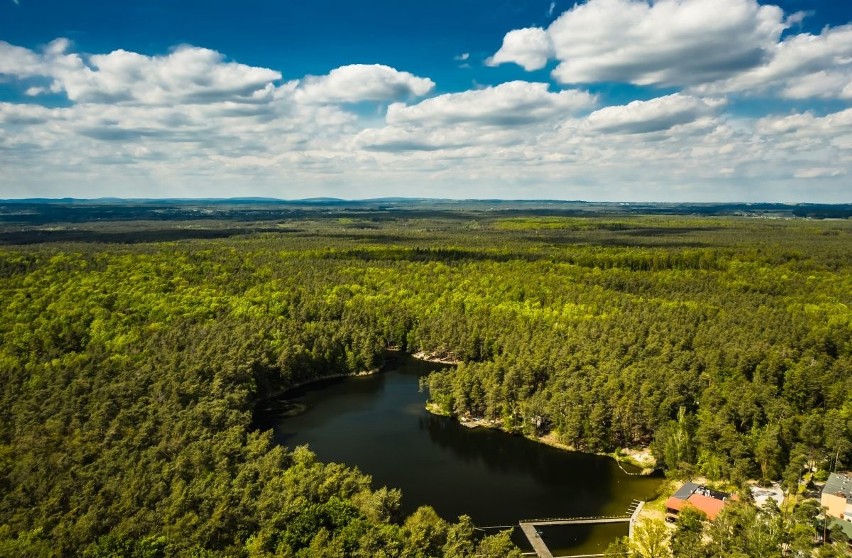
x=378, y=423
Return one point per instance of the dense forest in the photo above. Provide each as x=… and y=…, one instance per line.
x=130, y=371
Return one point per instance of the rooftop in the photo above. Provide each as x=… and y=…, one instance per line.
x=845, y=526
x=709, y=505
x=839, y=484
x=700, y=497
x=686, y=491
x=690, y=488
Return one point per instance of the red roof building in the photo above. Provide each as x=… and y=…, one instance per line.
x=708, y=501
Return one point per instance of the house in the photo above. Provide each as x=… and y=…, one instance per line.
x=700, y=497
x=837, y=496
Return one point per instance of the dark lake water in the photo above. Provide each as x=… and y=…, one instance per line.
x=379, y=424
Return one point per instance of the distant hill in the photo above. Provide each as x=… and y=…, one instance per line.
x=39, y=211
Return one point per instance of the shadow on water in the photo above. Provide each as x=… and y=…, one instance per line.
x=581, y=539
x=346, y=395
x=379, y=424
x=578, y=481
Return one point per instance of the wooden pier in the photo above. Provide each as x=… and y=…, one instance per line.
x=578, y=521
x=531, y=532
x=538, y=545
x=529, y=528
x=637, y=508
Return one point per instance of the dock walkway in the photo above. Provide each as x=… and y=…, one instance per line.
x=529, y=528
x=538, y=545
x=578, y=521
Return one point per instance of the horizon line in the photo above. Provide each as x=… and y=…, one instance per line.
x=321, y=199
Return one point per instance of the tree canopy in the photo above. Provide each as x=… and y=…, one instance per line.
x=129, y=372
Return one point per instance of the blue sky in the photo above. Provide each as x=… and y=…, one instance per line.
x=623, y=100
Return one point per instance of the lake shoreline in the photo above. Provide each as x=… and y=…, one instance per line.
x=275, y=394
x=639, y=458
x=379, y=425
x=442, y=358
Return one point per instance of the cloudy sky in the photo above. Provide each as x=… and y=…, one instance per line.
x=620, y=100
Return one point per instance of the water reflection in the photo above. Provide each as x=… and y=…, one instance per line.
x=577, y=484
x=582, y=539
x=379, y=424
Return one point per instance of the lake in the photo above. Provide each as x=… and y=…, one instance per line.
x=379, y=424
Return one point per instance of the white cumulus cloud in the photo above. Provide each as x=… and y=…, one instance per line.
x=807, y=124
x=509, y=104
x=509, y=114
x=707, y=46
x=802, y=66
x=666, y=42
x=654, y=115
x=19, y=61
x=187, y=74
x=529, y=48
x=361, y=82
x=191, y=122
